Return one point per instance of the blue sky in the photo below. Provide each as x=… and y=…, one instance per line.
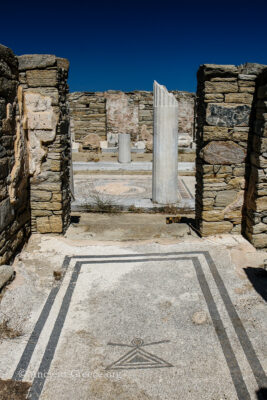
x=125, y=45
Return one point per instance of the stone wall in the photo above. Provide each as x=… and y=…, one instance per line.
x=225, y=95
x=14, y=194
x=88, y=114
x=255, y=213
x=43, y=82
x=115, y=112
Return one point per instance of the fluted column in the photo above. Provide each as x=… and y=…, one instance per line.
x=165, y=147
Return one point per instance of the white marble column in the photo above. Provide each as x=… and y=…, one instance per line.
x=165, y=147
x=124, y=148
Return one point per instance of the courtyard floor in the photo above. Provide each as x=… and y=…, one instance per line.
x=126, y=186
x=137, y=316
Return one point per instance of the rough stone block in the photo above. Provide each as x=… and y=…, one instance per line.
x=215, y=133
x=6, y=213
x=261, y=204
x=215, y=228
x=55, y=222
x=39, y=78
x=214, y=98
x=63, y=63
x=213, y=215
x=46, y=205
x=34, y=61
x=243, y=98
x=259, y=241
x=219, y=152
x=43, y=225
x=221, y=87
x=225, y=114
x=8, y=88
x=40, y=195
x=46, y=91
x=225, y=197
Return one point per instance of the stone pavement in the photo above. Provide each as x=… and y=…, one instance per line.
x=126, y=191
x=156, y=319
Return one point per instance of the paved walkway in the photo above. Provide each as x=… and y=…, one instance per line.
x=149, y=320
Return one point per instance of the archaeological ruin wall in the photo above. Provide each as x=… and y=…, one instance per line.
x=255, y=205
x=225, y=102
x=43, y=80
x=14, y=169
x=106, y=114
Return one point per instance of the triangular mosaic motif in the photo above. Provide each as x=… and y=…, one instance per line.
x=138, y=358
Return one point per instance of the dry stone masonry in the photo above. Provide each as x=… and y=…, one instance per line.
x=225, y=97
x=35, y=138
x=43, y=80
x=110, y=113
x=14, y=173
x=255, y=224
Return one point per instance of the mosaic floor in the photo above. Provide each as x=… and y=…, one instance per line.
x=126, y=190
x=142, y=321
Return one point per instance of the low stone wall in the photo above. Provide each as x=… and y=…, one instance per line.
x=255, y=223
x=114, y=112
x=43, y=82
x=225, y=96
x=14, y=194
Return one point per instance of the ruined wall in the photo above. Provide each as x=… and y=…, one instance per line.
x=116, y=112
x=43, y=81
x=14, y=194
x=88, y=114
x=225, y=95
x=255, y=213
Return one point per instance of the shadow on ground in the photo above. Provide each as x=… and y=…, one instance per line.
x=262, y=394
x=258, y=278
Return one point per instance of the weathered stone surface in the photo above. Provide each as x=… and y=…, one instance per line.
x=40, y=78
x=42, y=205
x=6, y=274
x=259, y=228
x=244, y=98
x=8, y=88
x=207, y=71
x=63, y=63
x=214, y=98
x=215, y=228
x=219, y=152
x=224, y=114
x=225, y=197
x=261, y=204
x=259, y=241
x=40, y=195
x=34, y=61
x=6, y=213
x=214, y=215
x=52, y=93
x=221, y=87
x=251, y=68
x=122, y=114
x=247, y=77
x=8, y=56
x=91, y=142
x=49, y=224
x=215, y=133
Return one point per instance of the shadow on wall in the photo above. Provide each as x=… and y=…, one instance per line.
x=262, y=394
x=258, y=278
